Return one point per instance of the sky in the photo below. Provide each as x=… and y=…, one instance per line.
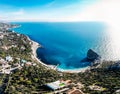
x=60, y=10
x=42, y=10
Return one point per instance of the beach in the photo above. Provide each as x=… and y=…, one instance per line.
x=74, y=70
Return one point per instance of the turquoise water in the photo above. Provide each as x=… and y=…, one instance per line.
x=66, y=44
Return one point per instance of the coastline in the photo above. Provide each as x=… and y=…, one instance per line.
x=75, y=70
x=35, y=46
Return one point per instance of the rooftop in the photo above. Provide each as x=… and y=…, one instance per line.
x=58, y=84
x=55, y=85
x=76, y=92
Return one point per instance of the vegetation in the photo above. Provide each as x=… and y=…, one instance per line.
x=108, y=79
x=16, y=45
x=31, y=79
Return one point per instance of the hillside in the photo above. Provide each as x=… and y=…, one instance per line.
x=31, y=77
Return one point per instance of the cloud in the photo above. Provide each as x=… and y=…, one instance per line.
x=19, y=12
x=13, y=15
x=53, y=11
x=104, y=10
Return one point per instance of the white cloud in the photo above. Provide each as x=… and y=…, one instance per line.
x=19, y=12
x=104, y=10
x=13, y=15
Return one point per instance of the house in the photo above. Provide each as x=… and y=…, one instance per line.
x=34, y=64
x=23, y=61
x=55, y=85
x=2, y=61
x=6, y=66
x=5, y=69
x=8, y=58
x=76, y=91
x=117, y=91
x=28, y=63
x=1, y=36
x=4, y=47
x=22, y=48
x=95, y=87
x=64, y=87
x=18, y=35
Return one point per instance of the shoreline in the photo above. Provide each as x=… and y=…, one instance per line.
x=35, y=46
x=75, y=70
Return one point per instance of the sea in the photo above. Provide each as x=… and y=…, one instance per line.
x=66, y=43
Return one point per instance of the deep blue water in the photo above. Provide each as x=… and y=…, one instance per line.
x=66, y=44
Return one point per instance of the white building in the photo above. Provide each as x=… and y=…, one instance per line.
x=8, y=58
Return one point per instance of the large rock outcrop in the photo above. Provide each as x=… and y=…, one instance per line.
x=91, y=55
x=115, y=66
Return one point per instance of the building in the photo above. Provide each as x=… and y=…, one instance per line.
x=2, y=61
x=76, y=91
x=55, y=85
x=64, y=87
x=1, y=36
x=5, y=68
x=117, y=91
x=28, y=63
x=22, y=62
x=8, y=58
x=25, y=63
x=58, y=84
x=34, y=64
x=95, y=87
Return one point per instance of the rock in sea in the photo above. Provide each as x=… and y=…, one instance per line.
x=92, y=55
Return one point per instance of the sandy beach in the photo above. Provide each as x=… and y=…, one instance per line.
x=74, y=70
x=36, y=45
